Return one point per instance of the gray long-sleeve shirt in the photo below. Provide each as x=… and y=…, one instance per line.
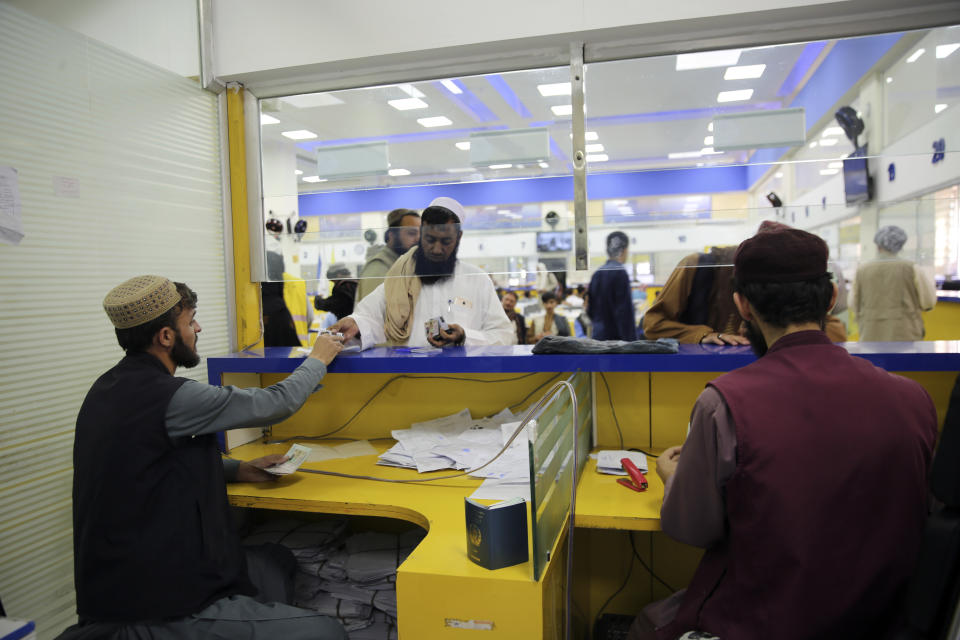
x=197, y=408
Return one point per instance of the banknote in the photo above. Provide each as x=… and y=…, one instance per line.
x=296, y=456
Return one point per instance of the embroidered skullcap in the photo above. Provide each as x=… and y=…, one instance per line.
x=140, y=300
x=778, y=253
x=890, y=238
x=450, y=204
x=395, y=217
x=338, y=269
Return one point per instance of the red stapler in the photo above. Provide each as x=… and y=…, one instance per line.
x=637, y=481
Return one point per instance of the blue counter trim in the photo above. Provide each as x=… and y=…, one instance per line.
x=948, y=296
x=893, y=356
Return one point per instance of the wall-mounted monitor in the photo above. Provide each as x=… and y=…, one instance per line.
x=857, y=184
x=552, y=241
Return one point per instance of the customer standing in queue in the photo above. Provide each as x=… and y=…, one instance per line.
x=550, y=323
x=784, y=477
x=402, y=234
x=890, y=293
x=611, y=301
x=156, y=553
x=509, y=301
x=429, y=283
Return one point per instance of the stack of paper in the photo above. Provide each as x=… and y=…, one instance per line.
x=609, y=461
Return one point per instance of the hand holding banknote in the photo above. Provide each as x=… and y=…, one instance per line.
x=253, y=470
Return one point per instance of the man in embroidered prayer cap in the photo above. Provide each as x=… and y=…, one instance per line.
x=429, y=297
x=156, y=553
x=890, y=293
x=784, y=476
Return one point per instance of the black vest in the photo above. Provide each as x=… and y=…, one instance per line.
x=153, y=536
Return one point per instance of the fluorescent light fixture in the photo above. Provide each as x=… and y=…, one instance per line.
x=562, y=109
x=299, y=134
x=313, y=179
x=889, y=79
x=828, y=142
x=463, y=146
x=554, y=89
x=435, y=121
x=399, y=172
x=410, y=90
x=831, y=131
x=267, y=119
x=700, y=164
x=708, y=141
x=405, y=104
x=710, y=127
x=943, y=50
x=940, y=107
x=597, y=157
x=746, y=72
x=684, y=154
x=778, y=174
x=915, y=55
x=835, y=165
x=708, y=151
x=813, y=145
x=451, y=86
x=594, y=148
x=504, y=212
x=500, y=166
x=829, y=172
x=297, y=172
x=544, y=165
x=708, y=59
x=461, y=170
x=310, y=100
x=735, y=96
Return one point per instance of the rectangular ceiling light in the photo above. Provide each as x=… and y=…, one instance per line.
x=708, y=59
x=684, y=154
x=299, y=134
x=399, y=172
x=735, y=96
x=594, y=148
x=915, y=55
x=597, y=157
x=710, y=127
x=708, y=141
x=943, y=50
x=831, y=131
x=829, y=172
x=835, y=165
x=500, y=166
x=562, y=109
x=554, y=89
x=460, y=170
x=267, y=119
x=828, y=142
x=313, y=179
x=463, y=146
x=405, y=104
x=410, y=90
x=746, y=72
x=435, y=121
x=297, y=172
x=940, y=107
x=310, y=100
x=451, y=86
x=544, y=165
x=759, y=129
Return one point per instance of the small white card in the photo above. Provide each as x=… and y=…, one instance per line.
x=297, y=455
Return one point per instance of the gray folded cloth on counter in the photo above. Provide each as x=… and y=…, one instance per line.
x=564, y=344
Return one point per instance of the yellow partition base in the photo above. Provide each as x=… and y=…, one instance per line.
x=943, y=321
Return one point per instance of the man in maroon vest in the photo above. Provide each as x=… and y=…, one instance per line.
x=804, y=473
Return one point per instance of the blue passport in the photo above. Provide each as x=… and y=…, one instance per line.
x=497, y=533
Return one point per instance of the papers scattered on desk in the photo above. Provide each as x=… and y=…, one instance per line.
x=319, y=453
x=296, y=456
x=459, y=442
x=609, y=461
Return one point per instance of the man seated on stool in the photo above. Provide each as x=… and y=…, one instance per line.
x=429, y=282
x=156, y=552
x=804, y=475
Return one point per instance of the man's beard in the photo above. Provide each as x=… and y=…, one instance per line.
x=431, y=272
x=757, y=342
x=184, y=356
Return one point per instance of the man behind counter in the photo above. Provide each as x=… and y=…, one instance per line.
x=156, y=553
x=403, y=232
x=785, y=477
x=429, y=282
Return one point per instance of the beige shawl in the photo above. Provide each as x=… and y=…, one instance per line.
x=401, y=289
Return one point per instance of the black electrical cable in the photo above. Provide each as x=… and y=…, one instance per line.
x=645, y=566
x=616, y=421
x=615, y=593
x=410, y=377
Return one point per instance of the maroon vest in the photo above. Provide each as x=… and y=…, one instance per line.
x=826, y=506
